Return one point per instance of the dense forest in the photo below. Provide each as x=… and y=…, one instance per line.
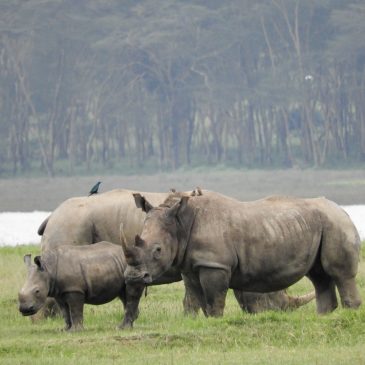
x=168, y=83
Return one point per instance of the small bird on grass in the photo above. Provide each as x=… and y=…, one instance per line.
x=95, y=188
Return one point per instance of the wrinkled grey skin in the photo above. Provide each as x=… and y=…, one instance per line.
x=253, y=303
x=86, y=220
x=279, y=300
x=75, y=275
x=266, y=245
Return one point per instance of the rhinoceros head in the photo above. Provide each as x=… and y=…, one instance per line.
x=34, y=292
x=156, y=248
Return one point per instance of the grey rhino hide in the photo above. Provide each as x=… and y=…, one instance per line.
x=86, y=220
x=91, y=274
x=34, y=292
x=259, y=246
x=279, y=300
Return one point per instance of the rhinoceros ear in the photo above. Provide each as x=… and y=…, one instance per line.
x=38, y=262
x=141, y=202
x=27, y=259
x=184, y=201
x=196, y=192
x=181, y=203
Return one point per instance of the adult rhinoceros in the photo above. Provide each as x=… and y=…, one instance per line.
x=87, y=220
x=278, y=300
x=218, y=243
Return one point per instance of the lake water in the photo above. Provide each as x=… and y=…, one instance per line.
x=20, y=228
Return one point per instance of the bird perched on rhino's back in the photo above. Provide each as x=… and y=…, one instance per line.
x=95, y=188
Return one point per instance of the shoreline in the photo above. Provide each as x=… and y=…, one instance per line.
x=20, y=228
x=345, y=187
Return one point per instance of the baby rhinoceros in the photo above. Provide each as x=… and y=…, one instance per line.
x=75, y=275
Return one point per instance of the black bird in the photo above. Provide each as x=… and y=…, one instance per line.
x=94, y=189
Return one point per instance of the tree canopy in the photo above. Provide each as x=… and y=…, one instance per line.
x=165, y=83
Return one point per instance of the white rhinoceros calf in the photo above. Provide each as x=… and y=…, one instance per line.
x=75, y=275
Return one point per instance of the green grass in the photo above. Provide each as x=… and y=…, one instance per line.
x=162, y=335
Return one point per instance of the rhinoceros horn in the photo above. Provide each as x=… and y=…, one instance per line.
x=132, y=255
x=174, y=209
x=42, y=227
x=296, y=302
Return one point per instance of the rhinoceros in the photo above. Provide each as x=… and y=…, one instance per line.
x=266, y=245
x=86, y=220
x=75, y=275
x=278, y=300
x=253, y=303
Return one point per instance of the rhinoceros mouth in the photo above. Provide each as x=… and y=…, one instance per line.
x=28, y=312
x=138, y=280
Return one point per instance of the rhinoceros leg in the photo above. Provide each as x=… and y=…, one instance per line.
x=215, y=284
x=190, y=303
x=75, y=308
x=65, y=313
x=350, y=297
x=130, y=297
x=194, y=296
x=252, y=302
x=324, y=287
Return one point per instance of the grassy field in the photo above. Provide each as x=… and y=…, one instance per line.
x=162, y=335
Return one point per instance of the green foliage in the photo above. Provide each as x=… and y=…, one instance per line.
x=163, y=335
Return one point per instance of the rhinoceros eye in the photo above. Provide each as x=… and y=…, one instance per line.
x=157, y=251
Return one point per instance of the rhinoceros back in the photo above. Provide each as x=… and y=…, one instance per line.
x=95, y=270
x=85, y=220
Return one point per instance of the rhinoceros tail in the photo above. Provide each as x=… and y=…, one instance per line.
x=296, y=302
x=42, y=227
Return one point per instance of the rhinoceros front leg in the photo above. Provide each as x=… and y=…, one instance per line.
x=350, y=296
x=65, y=313
x=215, y=284
x=194, y=296
x=75, y=306
x=130, y=298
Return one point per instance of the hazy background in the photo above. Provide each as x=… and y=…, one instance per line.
x=345, y=187
x=136, y=86
x=248, y=98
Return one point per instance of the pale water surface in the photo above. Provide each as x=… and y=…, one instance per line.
x=20, y=228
